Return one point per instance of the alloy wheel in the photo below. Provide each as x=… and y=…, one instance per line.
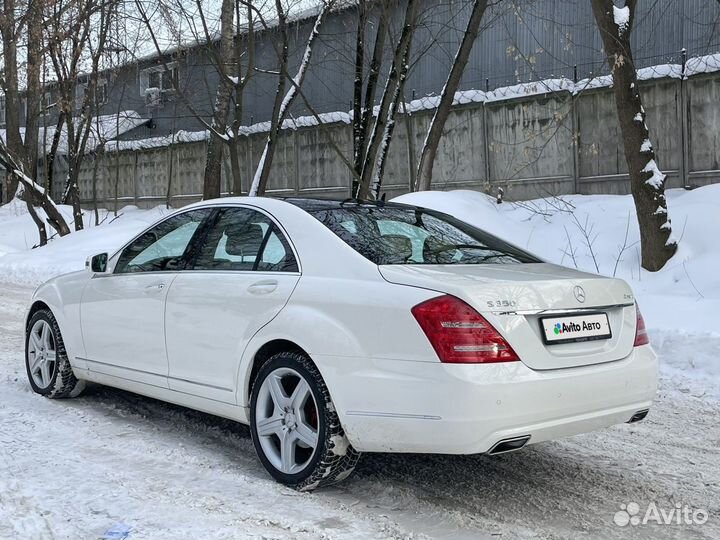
x=287, y=420
x=42, y=354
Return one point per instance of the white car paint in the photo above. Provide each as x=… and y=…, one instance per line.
x=191, y=338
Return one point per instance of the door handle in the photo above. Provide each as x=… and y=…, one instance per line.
x=263, y=287
x=155, y=287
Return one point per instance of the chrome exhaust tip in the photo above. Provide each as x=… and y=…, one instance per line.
x=640, y=415
x=508, y=445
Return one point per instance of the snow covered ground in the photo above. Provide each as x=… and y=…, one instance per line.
x=77, y=468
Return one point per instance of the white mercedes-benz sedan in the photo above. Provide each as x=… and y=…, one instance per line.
x=334, y=328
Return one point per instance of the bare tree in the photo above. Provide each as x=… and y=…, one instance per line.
x=227, y=59
x=283, y=100
x=77, y=33
x=647, y=182
x=363, y=104
x=33, y=194
x=233, y=58
x=378, y=144
x=435, y=132
x=23, y=24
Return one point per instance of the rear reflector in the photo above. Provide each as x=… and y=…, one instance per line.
x=641, y=335
x=459, y=334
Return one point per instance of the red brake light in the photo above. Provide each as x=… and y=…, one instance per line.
x=459, y=334
x=641, y=335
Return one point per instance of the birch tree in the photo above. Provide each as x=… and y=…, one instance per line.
x=232, y=81
x=364, y=93
x=437, y=125
x=284, y=100
x=378, y=143
x=647, y=182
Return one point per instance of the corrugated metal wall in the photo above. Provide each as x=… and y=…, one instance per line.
x=522, y=40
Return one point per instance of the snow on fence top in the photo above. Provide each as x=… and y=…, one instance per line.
x=694, y=66
x=103, y=128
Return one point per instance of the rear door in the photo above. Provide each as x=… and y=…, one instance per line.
x=242, y=276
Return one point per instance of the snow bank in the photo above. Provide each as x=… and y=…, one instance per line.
x=20, y=263
x=589, y=232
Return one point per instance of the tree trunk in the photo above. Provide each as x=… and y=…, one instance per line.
x=384, y=123
x=365, y=105
x=52, y=154
x=11, y=89
x=72, y=194
x=236, y=187
x=35, y=193
x=213, y=163
x=283, y=104
x=435, y=132
x=42, y=230
x=34, y=88
x=262, y=172
x=358, y=143
x=647, y=183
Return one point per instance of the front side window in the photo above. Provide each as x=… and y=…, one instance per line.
x=245, y=240
x=394, y=234
x=164, y=247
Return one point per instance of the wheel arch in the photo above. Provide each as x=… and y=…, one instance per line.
x=267, y=350
x=37, y=305
x=61, y=296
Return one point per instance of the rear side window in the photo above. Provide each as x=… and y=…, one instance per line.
x=406, y=235
x=242, y=239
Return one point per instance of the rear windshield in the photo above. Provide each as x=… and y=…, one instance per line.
x=408, y=235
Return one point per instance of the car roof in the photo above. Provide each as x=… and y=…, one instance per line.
x=308, y=204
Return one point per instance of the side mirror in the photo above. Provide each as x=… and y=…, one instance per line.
x=97, y=263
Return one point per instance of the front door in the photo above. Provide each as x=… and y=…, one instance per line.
x=243, y=275
x=122, y=314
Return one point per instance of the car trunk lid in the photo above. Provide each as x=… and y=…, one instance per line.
x=516, y=298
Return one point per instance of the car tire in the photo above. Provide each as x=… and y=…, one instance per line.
x=290, y=407
x=46, y=362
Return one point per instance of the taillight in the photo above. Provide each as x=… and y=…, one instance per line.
x=641, y=335
x=459, y=334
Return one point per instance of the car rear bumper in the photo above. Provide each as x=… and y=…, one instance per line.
x=395, y=406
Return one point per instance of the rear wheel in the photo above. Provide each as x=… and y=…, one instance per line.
x=46, y=361
x=295, y=429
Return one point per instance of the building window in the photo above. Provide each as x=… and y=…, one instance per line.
x=101, y=94
x=2, y=110
x=164, y=80
x=45, y=104
x=157, y=84
x=80, y=92
x=82, y=89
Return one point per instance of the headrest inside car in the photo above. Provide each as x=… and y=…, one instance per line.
x=244, y=240
x=397, y=249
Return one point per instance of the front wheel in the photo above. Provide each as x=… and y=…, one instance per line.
x=48, y=368
x=295, y=429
